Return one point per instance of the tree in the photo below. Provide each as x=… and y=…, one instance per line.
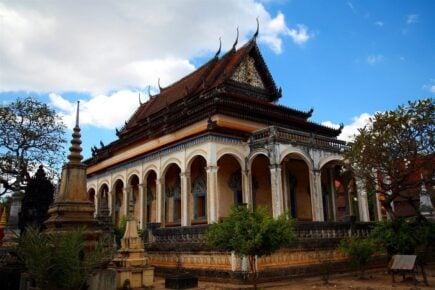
x=251, y=234
x=394, y=150
x=31, y=134
x=37, y=198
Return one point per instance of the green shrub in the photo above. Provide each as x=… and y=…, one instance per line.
x=358, y=250
x=57, y=260
x=403, y=236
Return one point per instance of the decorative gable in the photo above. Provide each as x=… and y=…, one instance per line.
x=247, y=73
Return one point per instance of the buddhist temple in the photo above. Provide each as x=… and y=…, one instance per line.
x=219, y=137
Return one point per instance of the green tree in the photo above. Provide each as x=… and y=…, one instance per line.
x=394, y=150
x=359, y=251
x=251, y=234
x=31, y=134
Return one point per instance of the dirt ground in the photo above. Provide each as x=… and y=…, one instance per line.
x=375, y=280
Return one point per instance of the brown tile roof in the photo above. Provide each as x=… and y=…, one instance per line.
x=210, y=75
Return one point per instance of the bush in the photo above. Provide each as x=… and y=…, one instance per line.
x=56, y=260
x=358, y=250
x=403, y=236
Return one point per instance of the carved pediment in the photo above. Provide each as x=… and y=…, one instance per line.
x=247, y=73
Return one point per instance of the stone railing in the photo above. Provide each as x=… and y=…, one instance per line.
x=297, y=137
x=305, y=231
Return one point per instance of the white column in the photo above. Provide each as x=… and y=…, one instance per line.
x=316, y=195
x=160, y=184
x=111, y=204
x=211, y=194
x=332, y=190
x=285, y=188
x=143, y=204
x=276, y=190
x=363, y=206
x=96, y=204
x=246, y=188
x=185, y=201
x=125, y=193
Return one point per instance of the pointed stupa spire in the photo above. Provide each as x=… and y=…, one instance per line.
x=76, y=149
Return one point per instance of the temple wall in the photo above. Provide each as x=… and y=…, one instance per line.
x=255, y=165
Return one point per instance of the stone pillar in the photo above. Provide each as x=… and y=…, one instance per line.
x=160, y=185
x=143, y=204
x=332, y=189
x=316, y=195
x=12, y=230
x=246, y=187
x=111, y=204
x=125, y=193
x=185, y=198
x=285, y=188
x=276, y=190
x=96, y=204
x=363, y=206
x=212, y=201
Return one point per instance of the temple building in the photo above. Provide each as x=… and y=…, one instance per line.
x=219, y=137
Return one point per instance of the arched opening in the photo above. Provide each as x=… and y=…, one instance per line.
x=346, y=196
x=134, y=190
x=103, y=198
x=296, y=187
x=91, y=196
x=229, y=184
x=172, y=196
x=118, y=202
x=329, y=173
x=198, y=199
x=260, y=183
x=151, y=204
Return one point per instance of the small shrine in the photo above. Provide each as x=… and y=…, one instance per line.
x=131, y=263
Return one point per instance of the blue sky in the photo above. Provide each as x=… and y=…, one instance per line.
x=346, y=59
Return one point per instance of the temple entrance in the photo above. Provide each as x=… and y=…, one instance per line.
x=134, y=190
x=198, y=177
x=172, y=196
x=118, y=203
x=260, y=183
x=151, y=204
x=229, y=184
x=296, y=186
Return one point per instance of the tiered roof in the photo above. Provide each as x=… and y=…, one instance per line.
x=214, y=89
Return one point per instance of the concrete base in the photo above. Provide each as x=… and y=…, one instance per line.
x=103, y=280
x=181, y=281
x=134, y=277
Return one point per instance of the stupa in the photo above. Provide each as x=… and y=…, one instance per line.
x=131, y=264
x=71, y=208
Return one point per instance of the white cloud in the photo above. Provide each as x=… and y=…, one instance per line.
x=412, y=18
x=430, y=87
x=300, y=34
x=102, y=46
x=374, y=59
x=379, y=23
x=351, y=129
x=102, y=111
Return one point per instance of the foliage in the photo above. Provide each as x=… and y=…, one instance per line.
x=119, y=230
x=394, y=150
x=358, y=250
x=404, y=237
x=251, y=233
x=58, y=260
x=32, y=134
x=37, y=198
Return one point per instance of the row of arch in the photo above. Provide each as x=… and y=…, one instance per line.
x=204, y=193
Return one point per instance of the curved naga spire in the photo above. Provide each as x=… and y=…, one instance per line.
x=149, y=92
x=140, y=102
x=220, y=47
x=258, y=28
x=158, y=83
x=237, y=39
x=76, y=149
